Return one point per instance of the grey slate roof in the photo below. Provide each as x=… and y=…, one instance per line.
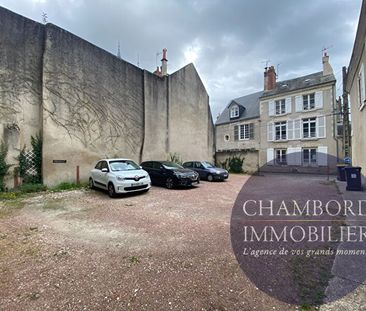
x=300, y=83
x=249, y=108
x=249, y=104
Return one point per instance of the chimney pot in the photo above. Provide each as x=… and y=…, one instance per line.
x=269, y=78
x=164, y=64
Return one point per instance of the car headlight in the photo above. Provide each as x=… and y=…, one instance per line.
x=120, y=178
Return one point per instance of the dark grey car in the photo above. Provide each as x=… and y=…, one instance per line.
x=207, y=170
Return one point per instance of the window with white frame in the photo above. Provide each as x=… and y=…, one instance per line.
x=309, y=156
x=234, y=111
x=244, y=131
x=309, y=128
x=281, y=158
x=308, y=101
x=280, y=130
x=280, y=106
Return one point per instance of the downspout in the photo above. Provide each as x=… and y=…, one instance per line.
x=143, y=117
x=334, y=121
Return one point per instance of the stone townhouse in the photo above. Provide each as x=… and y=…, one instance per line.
x=356, y=87
x=289, y=126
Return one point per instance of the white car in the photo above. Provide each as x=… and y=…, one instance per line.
x=119, y=176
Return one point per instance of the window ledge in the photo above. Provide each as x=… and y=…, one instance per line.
x=280, y=115
x=310, y=138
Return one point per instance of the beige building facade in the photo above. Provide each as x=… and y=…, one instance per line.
x=356, y=87
x=295, y=125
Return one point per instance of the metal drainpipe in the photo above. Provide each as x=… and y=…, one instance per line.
x=334, y=122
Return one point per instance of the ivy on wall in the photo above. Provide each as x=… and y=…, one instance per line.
x=30, y=162
x=4, y=167
x=233, y=164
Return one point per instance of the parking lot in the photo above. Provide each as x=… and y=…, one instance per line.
x=163, y=250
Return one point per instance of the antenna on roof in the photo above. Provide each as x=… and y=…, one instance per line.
x=44, y=17
x=266, y=62
x=138, y=60
x=119, y=50
x=325, y=49
x=156, y=57
x=278, y=70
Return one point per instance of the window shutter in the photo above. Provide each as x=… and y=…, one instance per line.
x=297, y=129
x=288, y=105
x=271, y=108
x=251, y=131
x=236, y=132
x=362, y=84
x=319, y=99
x=321, y=127
x=270, y=131
x=294, y=156
x=298, y=103
x=270, y=156
x=290, y=129
x=322, y=156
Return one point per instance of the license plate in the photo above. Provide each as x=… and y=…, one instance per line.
x=137, y=184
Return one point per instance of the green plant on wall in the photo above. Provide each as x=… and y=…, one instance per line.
x=4, y=167
x=37, y=151
x=175, y=157
x=27, y=164
x=233, y=164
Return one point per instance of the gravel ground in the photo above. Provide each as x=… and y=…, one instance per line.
x=163, y=250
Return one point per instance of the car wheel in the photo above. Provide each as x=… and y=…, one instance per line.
x=209, y=177
x=111, y=191
x=169, y=183
x=91, y=183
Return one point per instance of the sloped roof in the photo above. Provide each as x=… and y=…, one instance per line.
x=250, y=105
x=300, y=83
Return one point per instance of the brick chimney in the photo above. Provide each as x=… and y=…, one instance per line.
x=164, y=64
x=269, y=78
x=327, y=68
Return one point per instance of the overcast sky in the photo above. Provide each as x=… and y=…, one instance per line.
x=228, y=41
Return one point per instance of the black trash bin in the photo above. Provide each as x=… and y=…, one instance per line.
x=341, y=172
x=353, y=176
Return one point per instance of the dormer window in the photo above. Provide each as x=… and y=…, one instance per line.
x=234, y=111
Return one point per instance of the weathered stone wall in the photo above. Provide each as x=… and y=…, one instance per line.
x=190, y=123
x=177, y=117
x=88, y=104
x=92, y=106
x=250, y=163
x=21, y=51
x=156, y=143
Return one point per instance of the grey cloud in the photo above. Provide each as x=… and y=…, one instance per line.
x=232, y=37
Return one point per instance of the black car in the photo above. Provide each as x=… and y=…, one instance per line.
x=170, y=174
x=207, y=171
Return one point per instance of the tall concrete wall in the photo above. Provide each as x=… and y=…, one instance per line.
x=190, y=123
x=88, y=104
x=156, y=138
x=92, y=106
x=21, y=52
